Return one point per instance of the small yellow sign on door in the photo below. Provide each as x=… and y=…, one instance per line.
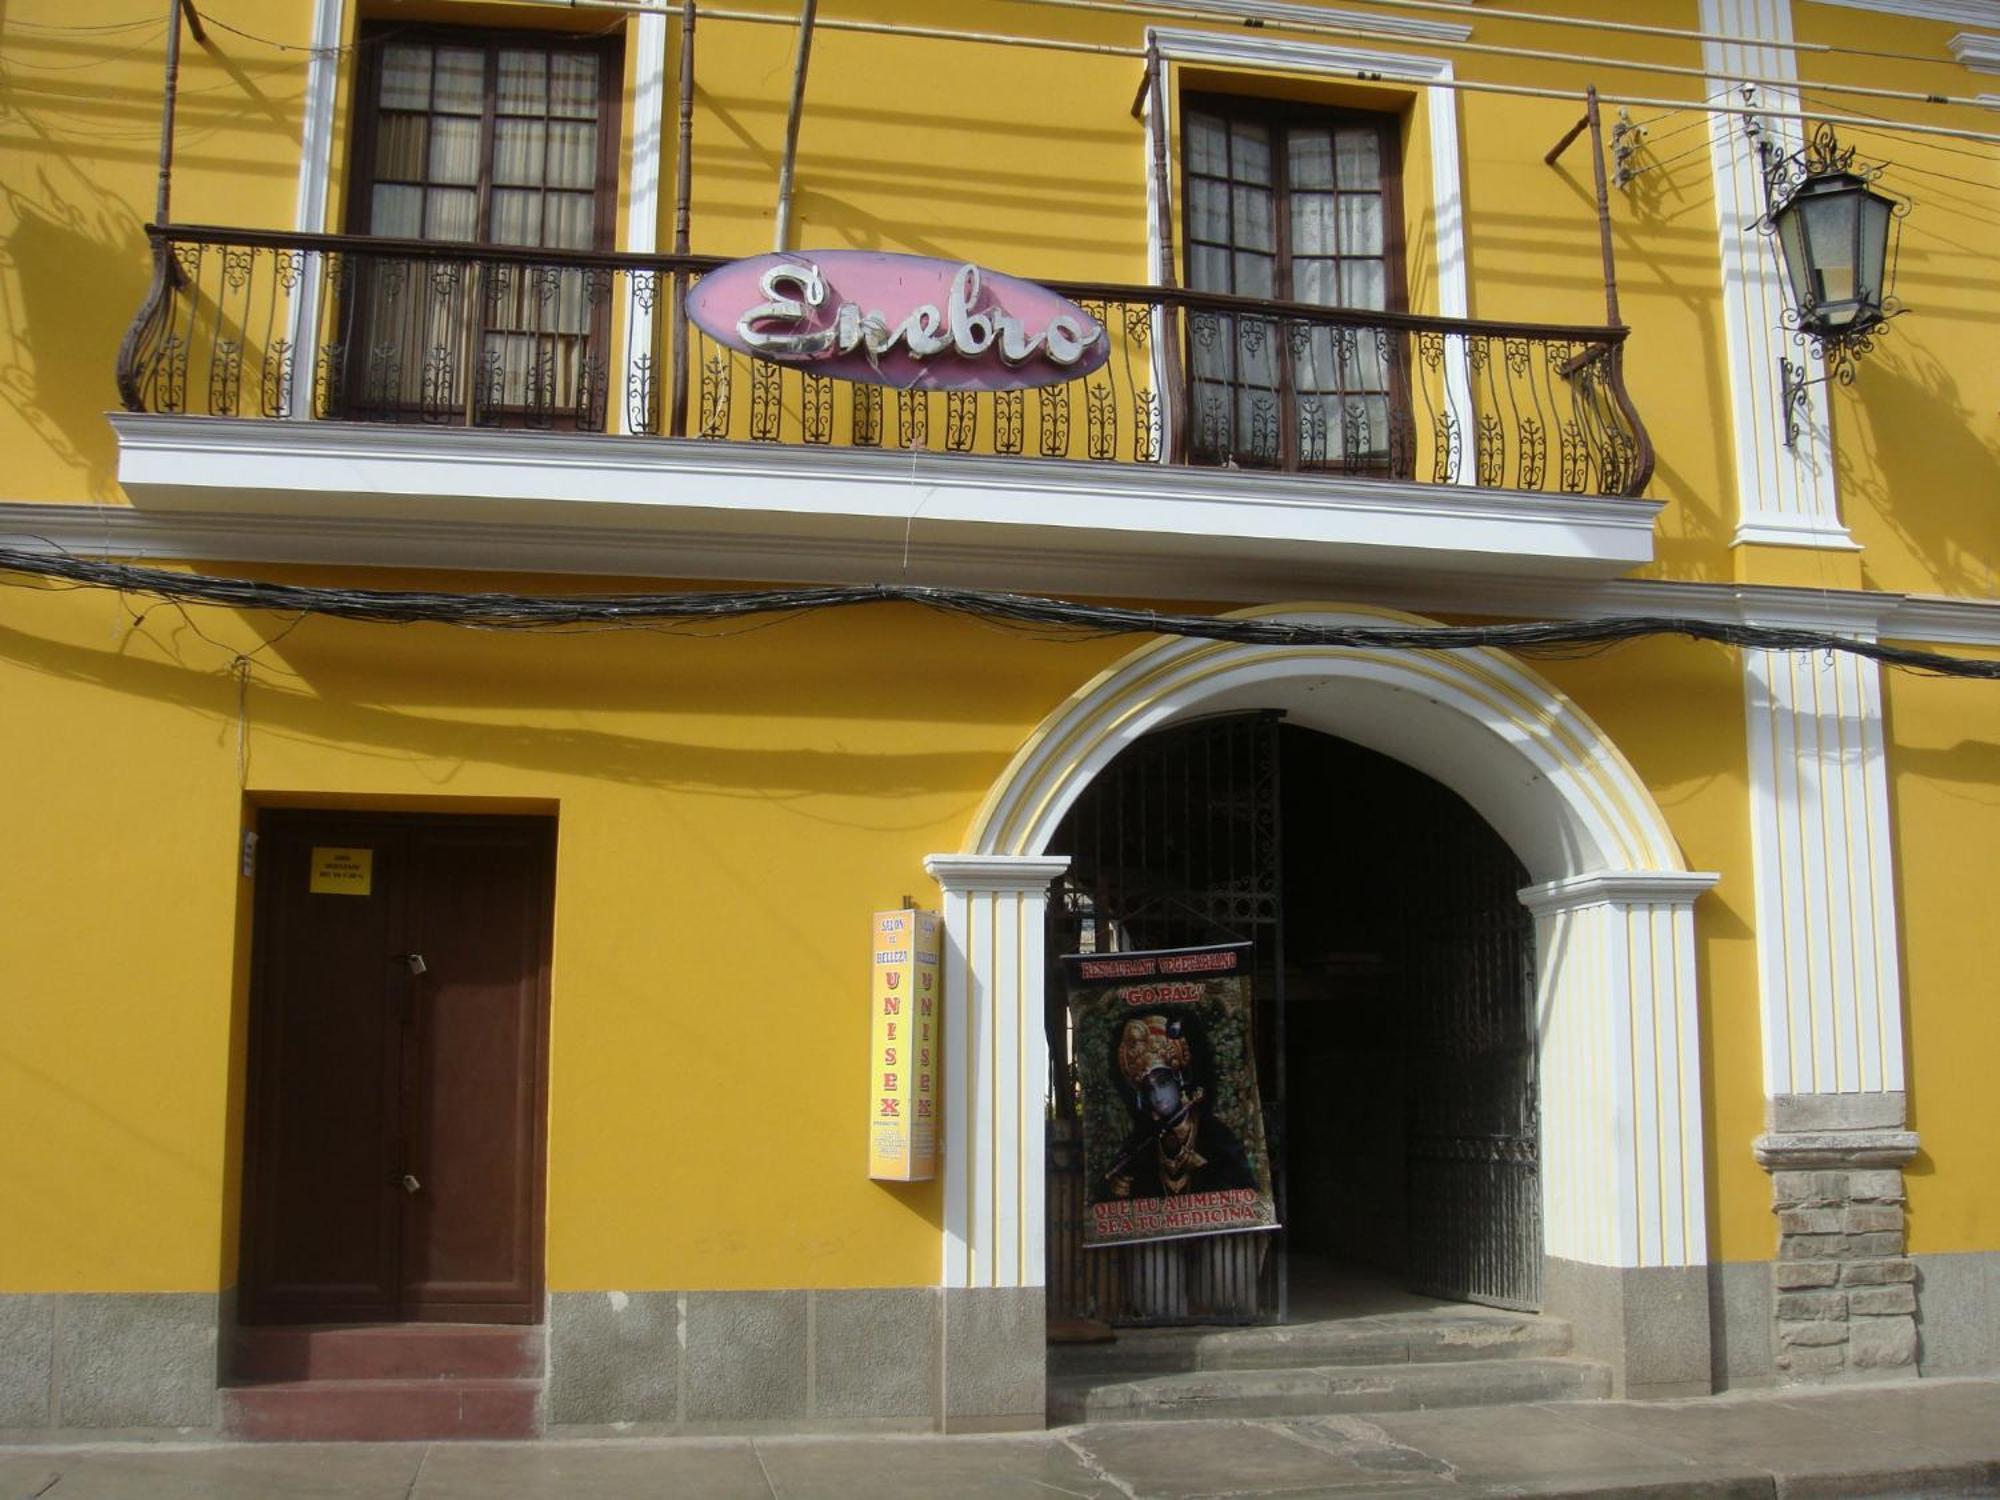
x=903, y=1071
x=342, y=872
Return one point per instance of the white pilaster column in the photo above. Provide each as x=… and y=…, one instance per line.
x=315, y=173
x=1785, y=496
x=642, y=214
x=1826, y=898
x=996, y=1066
x=1622, y=1177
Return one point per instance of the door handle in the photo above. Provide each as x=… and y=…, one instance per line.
x=410, y=1183
x=415, y=962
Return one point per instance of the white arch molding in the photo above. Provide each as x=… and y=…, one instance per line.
x=1613, y=902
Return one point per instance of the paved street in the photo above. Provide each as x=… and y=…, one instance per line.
x=1932, y=1438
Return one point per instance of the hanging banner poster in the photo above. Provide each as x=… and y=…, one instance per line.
x=903, y=1056
x=1173, y=1133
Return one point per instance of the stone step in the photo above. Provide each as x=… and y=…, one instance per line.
x=1333, y=1390
x=1425, y=1338
x=387, y=1351
x=382, y=1411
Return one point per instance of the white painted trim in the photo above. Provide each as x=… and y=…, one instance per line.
x=1969, y=12
x=315, y=178
x=1829, y=978
x=1787, y=531
x=1976, y=50
x=1013, y=873
x=1785, y=496
x=1530, y=761
x=807, y=494
x=1279, y=13
x=1620, y=1078
x=995, y=1081
x=1631, y=887
x=1621, y=1099
x=642, y=213
x=1949, y=622
x=1158, y=272
x=1277, y=55
x=1622, y=935
x=384, y=541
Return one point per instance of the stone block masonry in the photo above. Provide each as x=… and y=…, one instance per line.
x=1844, y=1294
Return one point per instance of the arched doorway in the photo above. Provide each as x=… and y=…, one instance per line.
x=1624, y=1231
x=1393, y=1030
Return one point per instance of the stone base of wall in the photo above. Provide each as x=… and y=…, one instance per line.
x=1739, y=1323
x=1843, y=1288
x=108, y=1361
x=1844, y=1296
x=1650, y=1324
x=1958, y=1313
x=878, y=1359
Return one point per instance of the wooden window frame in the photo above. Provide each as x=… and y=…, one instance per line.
x=362, y=180
x=367, y=111
x=1278, y=115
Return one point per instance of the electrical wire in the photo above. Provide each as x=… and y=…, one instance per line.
x=109, y=26
x=1195, y=11
x=1363, y=74
x=508, y=611
x=343, y=48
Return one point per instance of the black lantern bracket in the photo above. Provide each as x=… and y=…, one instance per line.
x=1838, y=236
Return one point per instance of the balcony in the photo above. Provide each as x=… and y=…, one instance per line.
x=379, y=383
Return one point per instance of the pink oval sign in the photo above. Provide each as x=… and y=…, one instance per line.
x=902, y=320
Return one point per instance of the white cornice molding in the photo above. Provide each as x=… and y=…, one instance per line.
x=1794, y=531
x=1977, y=50
x=1621, y=888
x=1965, y=12
x=666, y=552
x=1278, y=13
x=994, y=873
x=1945, y=621
x=805, y=497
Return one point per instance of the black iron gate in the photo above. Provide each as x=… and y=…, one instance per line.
x=1473, y=1143
x=1175, y=844
x=1179, y=842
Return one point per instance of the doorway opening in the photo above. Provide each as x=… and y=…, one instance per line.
x=1393, y=1016
x=395, y=1146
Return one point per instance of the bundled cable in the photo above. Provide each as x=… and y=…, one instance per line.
x=507, y=611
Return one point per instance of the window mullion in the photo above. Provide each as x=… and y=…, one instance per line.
x=488, y=129
x=1281, y=283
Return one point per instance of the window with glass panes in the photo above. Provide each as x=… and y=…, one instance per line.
x=504, y=138
x=1294, y=204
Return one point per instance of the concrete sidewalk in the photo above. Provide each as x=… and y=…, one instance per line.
x=1934, y=1437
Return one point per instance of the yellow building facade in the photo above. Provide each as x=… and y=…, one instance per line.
x=583, y=1046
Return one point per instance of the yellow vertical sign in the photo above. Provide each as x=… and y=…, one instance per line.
x=903, y=1047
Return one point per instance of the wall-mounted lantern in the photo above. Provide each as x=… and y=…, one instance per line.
x=1834, y=230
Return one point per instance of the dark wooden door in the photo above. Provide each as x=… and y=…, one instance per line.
x=394, y=1150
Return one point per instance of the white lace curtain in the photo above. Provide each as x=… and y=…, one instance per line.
x=1293, y=212
x=524, y=172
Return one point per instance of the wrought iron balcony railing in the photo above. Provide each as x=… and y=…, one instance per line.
x=246, y=323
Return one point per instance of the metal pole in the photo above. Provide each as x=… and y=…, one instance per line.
x=1173, y=422
x=683, y=195
x=163, y=196
x=1603, y=205
x=1549, y=156
x=782, y=239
